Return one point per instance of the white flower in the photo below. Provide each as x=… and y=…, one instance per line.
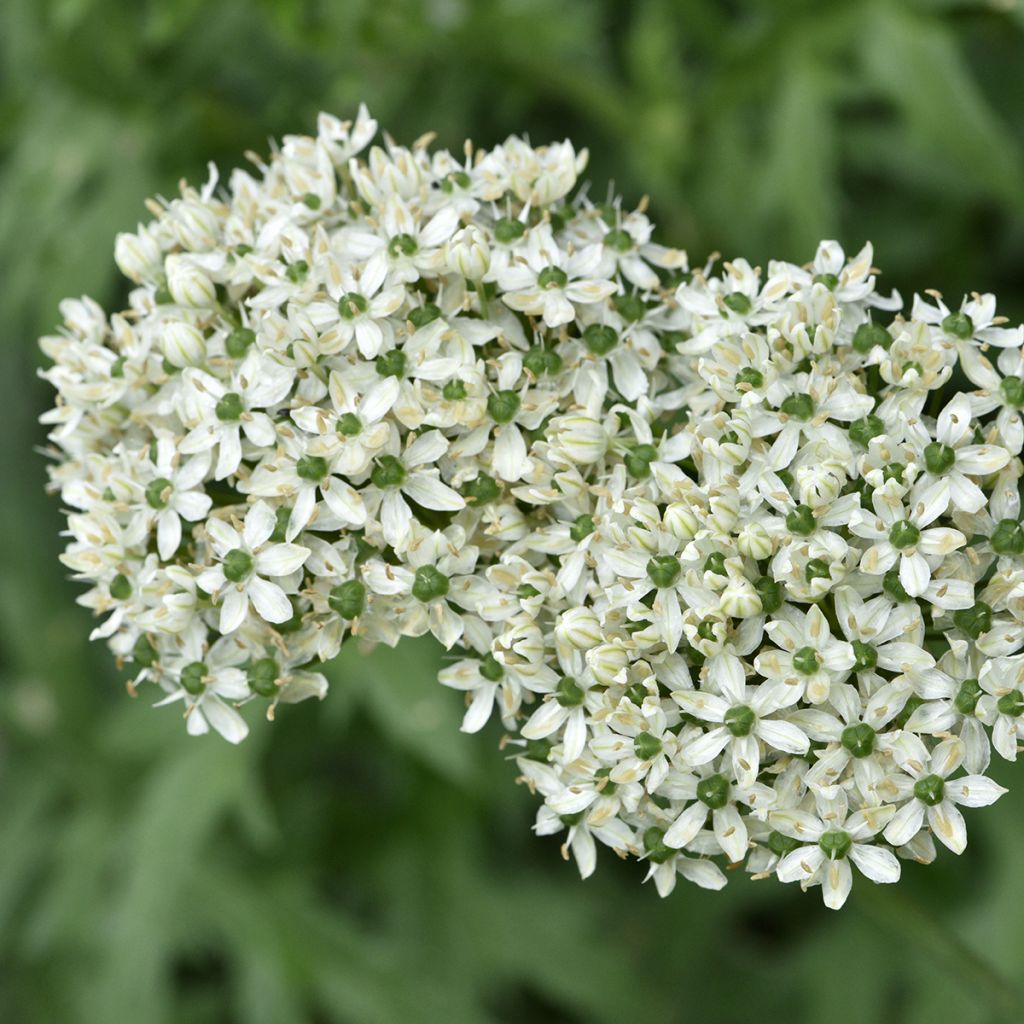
x=934, y=796
x=245, y=561
x=838, y=840
x=548, y=281
x=704, y=546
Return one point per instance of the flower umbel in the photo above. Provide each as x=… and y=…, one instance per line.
x=734, y=563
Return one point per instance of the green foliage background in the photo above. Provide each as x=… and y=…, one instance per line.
x=361, y=861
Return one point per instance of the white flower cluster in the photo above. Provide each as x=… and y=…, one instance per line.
x=735, y=556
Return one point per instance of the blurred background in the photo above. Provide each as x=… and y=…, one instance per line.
x=361, y=861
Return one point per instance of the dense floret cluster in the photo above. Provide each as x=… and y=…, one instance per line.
x=734, y=556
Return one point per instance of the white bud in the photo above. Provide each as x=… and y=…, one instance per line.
x=581, y=438
x=188, y=283
x=580, y=628
x=195, y=224
x=725, y=510
x=468, y=253
x=740, y=599
x=753, y=541
x=183, y=344
x=138, y=256
x=606, y=661
x=681, y=520
x=820, y=485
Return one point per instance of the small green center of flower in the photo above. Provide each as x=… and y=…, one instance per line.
x=348, y=599
x=974, y=620
x=158, y=493
x=503, y=406
x=457, y=179
x=859, y=739
x=430, y=583
x=715, y=563
x=541, y=361
x=600, y=339
x=959, y=324
x=582, y=526
x=491, y=669
x=836, y=843
x=654, y=846
x=552, y=277
x=1007, y=538
x=262, y=676
x=349, y=425
x=663, y=570
x=619, y=240
x=481, y=490
x=801, y=521
x=646, y=746
x=1011, y=703
x=192, y=676
x=869, y=335
x=237, y=565
x=817, y=569
x=904, y=535
x=830, y=281
x=892, y=586
x=1012, y=389
x=239, y=342
x=296, y=272
x=706, y=630
x=750, y=376
x=713, y=791
x=402, y=245
x=423, y=315
x=388, y=472
x=939, y=458
x=144, y=653
x=966, y=699
x=631, y=308
x=799, y=407
x=454, y=391
x=638, y=461
x=509, y=230
x=738, y=303
x=120, y=587
x=770, y=593
x=740, y=720
x=781, y=844
x=391, y=364
x=351, y=305
x=863, y=430
x=805, y=660
x=929, y=789
x=568, y=693
x=311, y=468
x=229, y=409
x=865, y=656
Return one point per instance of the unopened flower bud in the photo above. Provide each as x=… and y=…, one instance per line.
x=580, y=628
x=740, y=599
x=183, y=344
x=188, y=283
x=754, y=542
x=606, y=661
x=138, y=255
x=582, y=438
x=468, y=253
x=681, y=520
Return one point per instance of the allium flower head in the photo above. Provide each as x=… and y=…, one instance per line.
x=735, y=566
